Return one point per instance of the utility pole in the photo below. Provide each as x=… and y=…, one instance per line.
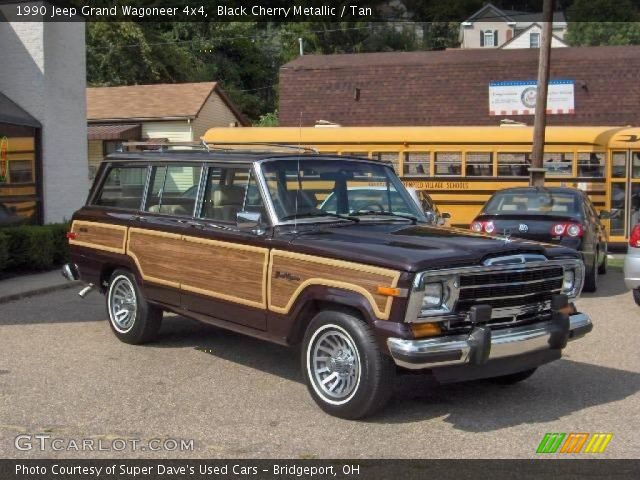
x=536, y=171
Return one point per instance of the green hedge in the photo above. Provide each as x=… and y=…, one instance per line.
x=33, y=247
x=4, y=251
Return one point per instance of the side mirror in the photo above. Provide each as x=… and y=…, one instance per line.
x=249, y=221
x=445, y=215
x=604, y=215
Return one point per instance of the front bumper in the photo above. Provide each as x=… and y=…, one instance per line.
x=483, y=344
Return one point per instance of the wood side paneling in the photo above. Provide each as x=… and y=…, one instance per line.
x=224, y=270
x=101, y=236
x=290, y=273
x=158, y=255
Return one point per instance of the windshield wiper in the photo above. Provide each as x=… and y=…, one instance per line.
x=376, y=213
x=318, y=214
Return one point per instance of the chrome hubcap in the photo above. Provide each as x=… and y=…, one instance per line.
x=122, y=305
x=335, y=365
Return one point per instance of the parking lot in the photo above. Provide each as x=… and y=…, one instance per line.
x=63, y=373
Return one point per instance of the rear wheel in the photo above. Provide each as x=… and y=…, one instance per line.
x=636, y=295
x=602, y=269
x=132, y=319
x=346, y=373
x=513, y=378
x=591, y=276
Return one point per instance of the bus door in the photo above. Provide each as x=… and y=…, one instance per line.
x=625, y=193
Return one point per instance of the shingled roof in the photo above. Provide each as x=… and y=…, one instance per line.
x=451, y=87
x=167, y=101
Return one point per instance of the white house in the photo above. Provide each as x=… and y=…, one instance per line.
x=43, y=136
x=492, y=27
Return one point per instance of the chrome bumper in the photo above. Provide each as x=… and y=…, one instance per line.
x=70, y=272
x=471, y=348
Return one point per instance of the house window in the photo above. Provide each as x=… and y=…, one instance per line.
x=489, y=38
x=534, y=40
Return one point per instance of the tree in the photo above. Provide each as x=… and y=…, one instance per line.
x=618, y=23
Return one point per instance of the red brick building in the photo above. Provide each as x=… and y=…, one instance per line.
x=451, y=87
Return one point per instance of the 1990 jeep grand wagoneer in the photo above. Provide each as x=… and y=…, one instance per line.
x=366, y=286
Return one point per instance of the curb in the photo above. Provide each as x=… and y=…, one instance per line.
x=39, y=291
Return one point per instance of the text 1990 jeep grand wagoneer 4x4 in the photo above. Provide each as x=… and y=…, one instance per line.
x=246, y=241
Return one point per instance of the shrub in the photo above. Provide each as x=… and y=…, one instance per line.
x=4, y=251
x=35, y=247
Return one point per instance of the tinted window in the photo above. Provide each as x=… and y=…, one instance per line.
x=173, y=189
x=123, y=188
x=533, y=202
x=229, y=191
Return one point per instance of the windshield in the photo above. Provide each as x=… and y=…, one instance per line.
x=534, y=202
x=334, y=188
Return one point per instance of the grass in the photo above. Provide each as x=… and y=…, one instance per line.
x=617, y=262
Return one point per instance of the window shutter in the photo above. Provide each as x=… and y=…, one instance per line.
x=481, y=38
x=495, y=38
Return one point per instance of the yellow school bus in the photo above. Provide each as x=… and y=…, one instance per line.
x=460, y=167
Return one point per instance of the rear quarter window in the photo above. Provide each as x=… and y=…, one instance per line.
x=122, y=188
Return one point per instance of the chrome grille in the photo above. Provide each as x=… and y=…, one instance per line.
x=501, y=290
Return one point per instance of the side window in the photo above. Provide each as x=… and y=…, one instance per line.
x=229, y=191
x=173, y=189
x=123, y=188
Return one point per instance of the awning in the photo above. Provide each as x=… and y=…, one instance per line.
x=11, y=113
x=114, y=131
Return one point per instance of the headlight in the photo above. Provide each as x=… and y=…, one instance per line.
x=432, y=295
x=569, y=280
x=572, y=280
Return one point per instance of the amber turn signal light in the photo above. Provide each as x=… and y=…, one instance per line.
x=389, y=291
x=425, y=329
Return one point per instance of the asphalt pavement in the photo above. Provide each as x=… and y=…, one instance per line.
x=64, y=374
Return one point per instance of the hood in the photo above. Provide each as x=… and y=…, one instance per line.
x=410, y=247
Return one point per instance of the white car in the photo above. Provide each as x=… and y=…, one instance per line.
x=632, y=264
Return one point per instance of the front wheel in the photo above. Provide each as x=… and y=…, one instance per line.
x=132, y=319
x=345, y=371
x=591, y=276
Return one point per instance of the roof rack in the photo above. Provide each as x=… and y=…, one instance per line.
x=165, y=146
x=226, y=147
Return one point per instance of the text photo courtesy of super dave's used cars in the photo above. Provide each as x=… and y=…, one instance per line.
x=327, y=253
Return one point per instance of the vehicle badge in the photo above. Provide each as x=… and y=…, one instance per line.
x=507, y=236
x=523, y=227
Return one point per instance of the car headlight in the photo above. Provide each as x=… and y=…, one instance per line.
x=432, y=295
x=569, y=280
x=572, y=280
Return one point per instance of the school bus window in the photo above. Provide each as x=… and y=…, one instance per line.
x=416, y=163
x=591, y=164
x=387, y=157
x=635, y=165
x=558, y=164
x=619, y=164
x=514, y=164
x=448, y=163
x=479, y=164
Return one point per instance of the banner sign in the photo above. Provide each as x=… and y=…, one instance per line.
x=519, y=97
